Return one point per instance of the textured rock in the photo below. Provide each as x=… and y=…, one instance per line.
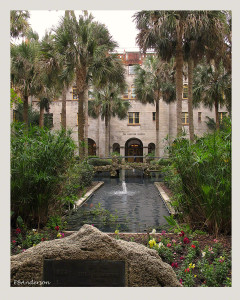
x=143, y=265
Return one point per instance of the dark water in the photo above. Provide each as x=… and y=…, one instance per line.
x=140, y=209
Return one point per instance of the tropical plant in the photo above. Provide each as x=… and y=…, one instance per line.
x=39, y=164
x=212, y=87
x=154, y=79
x=85, y=45
x=19, y=23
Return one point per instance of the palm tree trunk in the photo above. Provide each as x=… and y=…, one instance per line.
x=106, y=136
x=157, y=129
x=25, y=110
x=80, y=125
x=190, y=99
x=64, y=103
x=216, y=114
x=41, y=115
x=179, y=79
x=85, y=95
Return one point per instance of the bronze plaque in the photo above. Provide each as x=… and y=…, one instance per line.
x=84, y=273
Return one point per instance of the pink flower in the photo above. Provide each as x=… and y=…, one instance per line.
x=193, y=246
x=169, y=245
x=23, y=250
x=62, y=234
x=13, y=241
x=57, y=227
x=163, y=232
x=181, y=281
x=182, y=257
x=186, y=240
x=92, y=225
x=187, y=270
x=174, y=241
x=18, y=230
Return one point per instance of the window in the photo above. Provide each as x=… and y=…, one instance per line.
x=185, y=92
x=221, y=116
x=131, y=70
x=154, y=116
x=133, y=95
x=185, y=118
x=74, y=93
x=133, y=118
x=199, y=117
x=125, y=94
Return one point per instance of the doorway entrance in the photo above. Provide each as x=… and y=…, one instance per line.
x=134, y=147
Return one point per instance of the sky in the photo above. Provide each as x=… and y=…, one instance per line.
x=119, y=23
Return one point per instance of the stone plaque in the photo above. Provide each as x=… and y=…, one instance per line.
x=84, y=273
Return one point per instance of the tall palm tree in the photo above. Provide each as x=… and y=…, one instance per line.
x=108, y=103
x=167, y=32
x=84, y=43
x=153, y=81
x=212, y=87
x=24, y=71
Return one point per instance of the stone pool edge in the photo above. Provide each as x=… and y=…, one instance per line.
x=165, y=198
x=88, y=194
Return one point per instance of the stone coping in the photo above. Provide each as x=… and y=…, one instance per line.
x=88, y=194
x=165, y=198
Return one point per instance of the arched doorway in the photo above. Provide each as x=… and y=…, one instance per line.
x=91, y=147
x=151, y=148
x=134, y=147
x=116, y=148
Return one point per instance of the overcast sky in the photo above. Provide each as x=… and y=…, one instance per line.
x=119, y=22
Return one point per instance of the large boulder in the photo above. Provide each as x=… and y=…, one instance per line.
x=144, y=267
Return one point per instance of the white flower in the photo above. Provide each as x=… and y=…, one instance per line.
x=203, y=254
x=160, y=244
x=153, y=231
x=34, y=230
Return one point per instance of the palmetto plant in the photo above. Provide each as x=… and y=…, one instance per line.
x=19, y=23
x=212, y=87
x=154, y=79
x=172, y=33
x=85, y=45
x=108, y=103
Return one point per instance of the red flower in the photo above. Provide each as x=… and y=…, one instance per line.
x=13, y=241
x=57, y=227
x=193, y=246
x=182, y=257
x=42, y=239
x=18, y=230
x=186, y=240
x=187, y=270
x=174, y=265
x=181, y=281
x=169, y=245
x=182, y=233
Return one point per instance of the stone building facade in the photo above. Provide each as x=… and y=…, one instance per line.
x=135, y=135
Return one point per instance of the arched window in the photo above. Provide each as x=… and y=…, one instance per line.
x=91, y=147
x=151, y=148
x=116, y=148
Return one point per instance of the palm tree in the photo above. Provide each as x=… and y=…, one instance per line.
x=152, y=81
x=19, y=23
x=168, y=32
x=24, y=71
x=108, y=103
x=212, y=87
x=58, y=75
x=83, y=43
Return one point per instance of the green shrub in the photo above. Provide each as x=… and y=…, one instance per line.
x=99, y=162
x=200, y=176
x=40, y=160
